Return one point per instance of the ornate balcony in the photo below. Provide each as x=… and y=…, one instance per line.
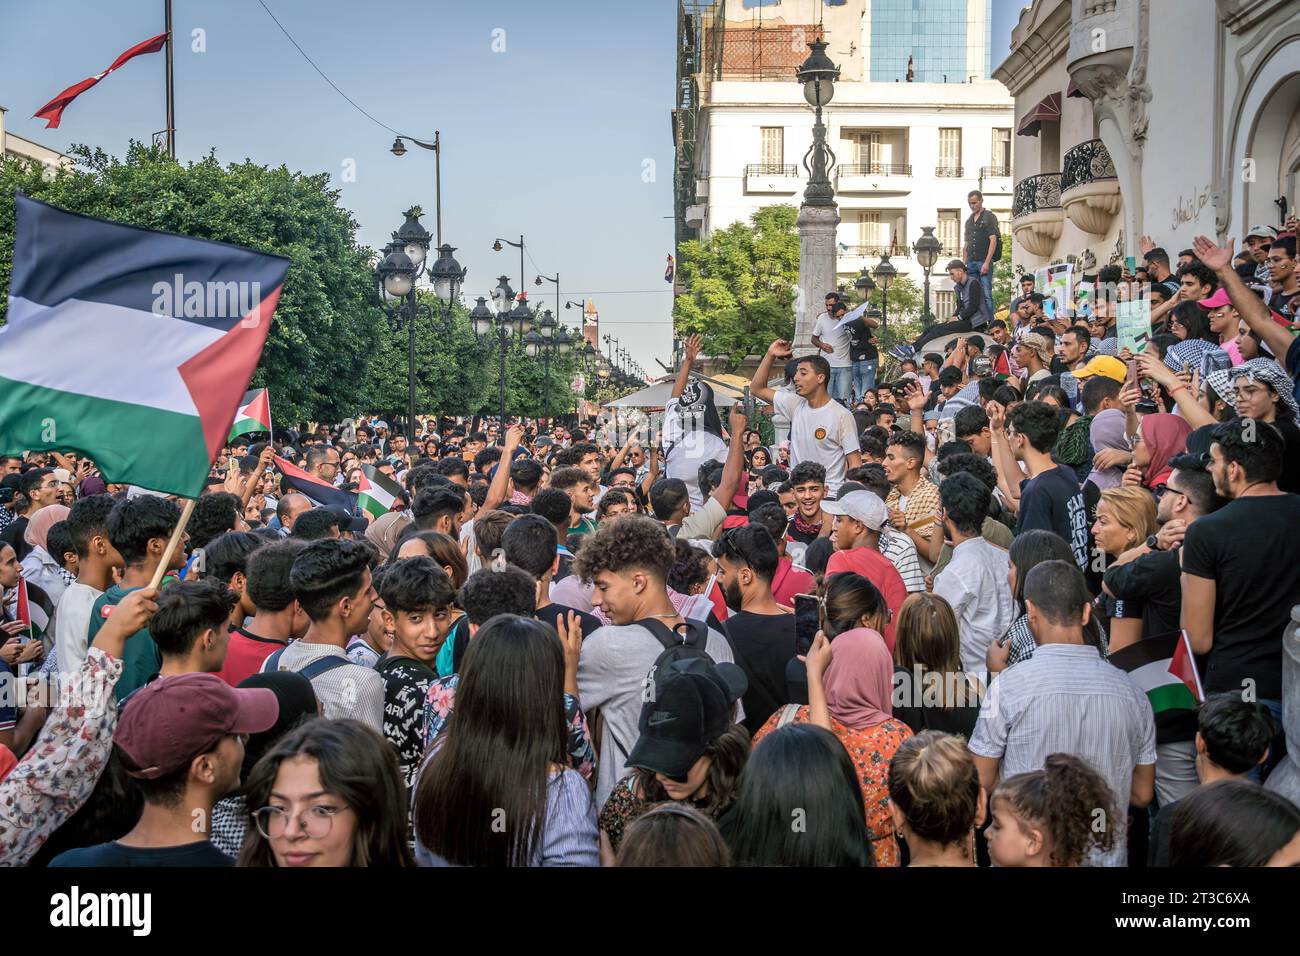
x=1089, y=187
x=772, y=178
x=1036, y=215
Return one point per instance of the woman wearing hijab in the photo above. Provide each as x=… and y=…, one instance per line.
x=297, y=704
x=1163, y=437
x=692, y=432
x=384, y=531
x=39, y=567
x=850, y=679
x=1108, y=434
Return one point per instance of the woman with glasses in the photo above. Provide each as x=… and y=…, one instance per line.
x=850, y=679
x=1261, y=390
x=328, y=794
x=1161, y=437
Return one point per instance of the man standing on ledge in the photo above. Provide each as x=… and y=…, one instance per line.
x=821, y=429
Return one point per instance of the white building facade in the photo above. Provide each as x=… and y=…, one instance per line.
x=1168, y=118
x=907, y=153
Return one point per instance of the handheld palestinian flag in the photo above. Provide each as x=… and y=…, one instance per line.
x=136, y=355
x=1165, y=670
x=320, y=492
x=377, y=491
x=31, y=613
x=254, y=415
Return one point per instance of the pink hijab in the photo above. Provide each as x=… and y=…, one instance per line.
x=859, y=680
x=1165, y=437
x=38, y=526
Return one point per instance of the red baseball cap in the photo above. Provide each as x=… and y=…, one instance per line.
x=169, y=722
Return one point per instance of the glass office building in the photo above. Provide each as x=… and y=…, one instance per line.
x=934, y=33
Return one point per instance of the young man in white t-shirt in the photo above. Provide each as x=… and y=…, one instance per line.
x=821, y=429
x=833, y=341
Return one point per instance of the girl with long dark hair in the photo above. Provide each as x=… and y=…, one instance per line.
x=799, y=804
x=496, y=789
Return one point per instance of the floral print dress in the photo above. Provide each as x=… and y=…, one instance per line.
x=871, y=750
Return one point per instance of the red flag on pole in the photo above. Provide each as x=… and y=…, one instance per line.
x=52, y=111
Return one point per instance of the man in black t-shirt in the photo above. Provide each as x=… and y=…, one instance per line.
x=1241, y=565
x=761, y=632
x=528, y=543
x=1050, y=498
x=982, y=240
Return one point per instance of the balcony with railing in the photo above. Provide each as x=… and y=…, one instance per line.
x=873, y=177
x=1036, y=215
x=949, y=172
x=772, y=178
x=995, y=179
x=870, y=251
x=1090, y=187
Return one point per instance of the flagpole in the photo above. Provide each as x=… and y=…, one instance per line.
x=173, y=543
x=171, y=105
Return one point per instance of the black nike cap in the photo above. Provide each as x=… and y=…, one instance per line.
x=693, y=709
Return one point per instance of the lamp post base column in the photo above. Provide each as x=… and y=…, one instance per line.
x=816, y=269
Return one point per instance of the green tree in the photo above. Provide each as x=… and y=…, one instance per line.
x=1006, y=276
x=327, y=324
x=740, y=285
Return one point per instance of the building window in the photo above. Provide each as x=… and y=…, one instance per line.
x=773, y=145
x=868, y=148
x=1001, y=157
x=937, y=35
x=945, y=305
x=949, y=233
x=949, y=153
x=871, y=231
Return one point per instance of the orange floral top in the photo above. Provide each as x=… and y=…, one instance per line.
x=871, y=750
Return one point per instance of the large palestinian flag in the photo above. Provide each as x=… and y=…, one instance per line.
x=254, y=414
x=377, y=491
x=1165, y=669
x=131, y=346
x=320, y=492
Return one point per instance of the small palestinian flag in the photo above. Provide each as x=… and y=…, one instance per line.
x=30, y=613
x=377, y=492
x=320, y=492
x=1165, y=670
x=670, y=271
x=254, y=414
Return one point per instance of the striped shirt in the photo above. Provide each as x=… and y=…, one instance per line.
x=1066, y=699
x=901, y=552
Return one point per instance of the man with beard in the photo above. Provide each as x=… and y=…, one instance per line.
x=761, y=632
x=692, y=432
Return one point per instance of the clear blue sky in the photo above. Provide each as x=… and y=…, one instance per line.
x=552, y=137
x=549, y=138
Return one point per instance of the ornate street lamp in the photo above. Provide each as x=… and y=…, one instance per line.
x=927, y=250
x=396, y=276
x=818, y=75
x=864, y=284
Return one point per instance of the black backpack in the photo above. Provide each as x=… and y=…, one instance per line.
x=686, y=641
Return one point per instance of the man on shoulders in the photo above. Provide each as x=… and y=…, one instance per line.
x=821, y=429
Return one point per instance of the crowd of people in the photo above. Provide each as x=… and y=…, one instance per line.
x=1023, y=605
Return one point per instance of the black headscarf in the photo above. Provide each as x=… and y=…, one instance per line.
x=297, y=703
x=697, y=409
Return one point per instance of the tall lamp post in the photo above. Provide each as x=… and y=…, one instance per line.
x=546, y=340
x=396, y=276
x=496, y=247
x=885, y=275
x=399, y=149
x=818, y=214
x=927, y=251
x=510, y=325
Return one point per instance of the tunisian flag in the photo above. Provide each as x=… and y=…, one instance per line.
x=52, y=111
